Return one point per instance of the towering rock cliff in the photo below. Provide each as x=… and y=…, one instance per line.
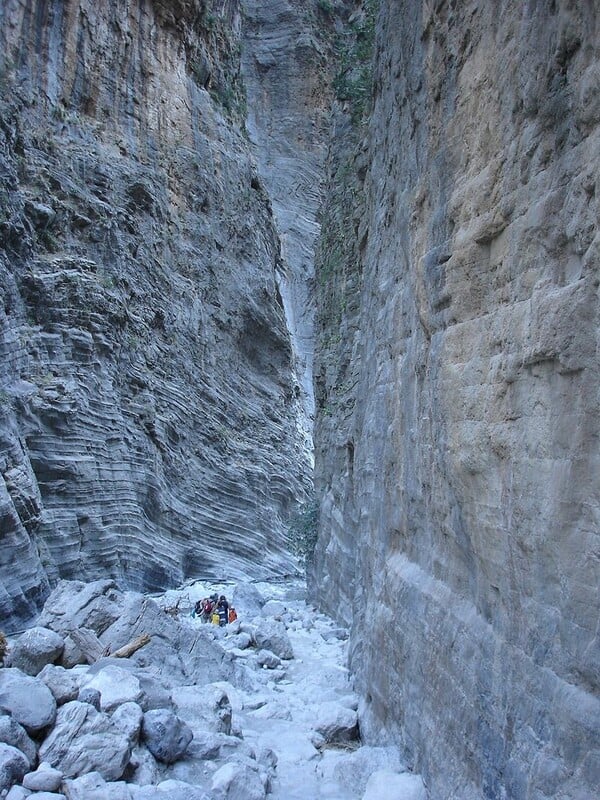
x=457, y=394
x=286, y=66
x=150, y=421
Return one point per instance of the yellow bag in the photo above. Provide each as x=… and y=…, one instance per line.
x=215, y=618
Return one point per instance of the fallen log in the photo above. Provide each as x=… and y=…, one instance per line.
x=131, y=647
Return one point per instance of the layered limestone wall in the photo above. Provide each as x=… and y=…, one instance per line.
x=287, y=68
x=149, y=409
x=457, y=449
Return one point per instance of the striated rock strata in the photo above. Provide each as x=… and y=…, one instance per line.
x=457, y=393
x=287, y=63
x=149, y=412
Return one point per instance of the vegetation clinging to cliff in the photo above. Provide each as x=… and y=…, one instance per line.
x=354, y=80
x=303, y=530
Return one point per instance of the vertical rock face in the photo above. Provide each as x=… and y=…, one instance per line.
x=148, y=418
x=459, y=474
x=286, y=63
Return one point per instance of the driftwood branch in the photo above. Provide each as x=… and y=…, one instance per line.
x=93, y=650
x=131, y=647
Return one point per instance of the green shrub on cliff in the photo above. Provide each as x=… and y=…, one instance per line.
x=354, y=81
x=303, y=530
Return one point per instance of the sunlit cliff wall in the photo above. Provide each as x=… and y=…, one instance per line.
x=457, y=383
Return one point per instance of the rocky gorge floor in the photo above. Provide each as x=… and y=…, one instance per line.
x=261, y=708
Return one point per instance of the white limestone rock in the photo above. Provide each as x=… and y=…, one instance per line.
x=34, y=649
x=206, y=707
x=155, y=693
x=247, y=600
x=169, y=790
x=128, y=717
x=336, y=723
x=353, y=770
x=92, y=786
x=15, y=735
x=243, y=640
x=267, y=659
x=273, y=608
x=234, y=695
x=143, y=768
x=238, y=781
x=270, y=634
x=74, y=604
x=13, y=765
x=44, y=779
x=64, y=684
x=116, y=686
x=210, y=746
x=18, y=793
x=176, y=653
x=27, y=699
x=91, y=696
x=388, y=785
x=85, y=740
x=49, y=796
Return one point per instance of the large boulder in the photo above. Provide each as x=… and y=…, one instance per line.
x=210, y=746
x=85, y=740
x=143, y=767
x=154, y=691
x=352, y=770
x=15, y=735
x=204, y=707
x=44, y=779
x=270, y=634
x=175, y=651
x=34, y=649
x=27, y=700
x=337, y=723
x=274, y=608
x=13, y=765
x=87, y=694
x=92, y=786
x=128, y=718
x=165, y=735
x=63, y=683
x=267, y=659
x=18, y=793
x=73, y=605
x=388, y=785
x=116, y=686
x=168, y=790
x=247, y=600
x=238, y=781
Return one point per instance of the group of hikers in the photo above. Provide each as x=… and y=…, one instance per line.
x=215, y=609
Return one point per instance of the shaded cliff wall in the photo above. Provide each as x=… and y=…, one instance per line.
x=457, y=459
x=287, y=62
x=148, y=416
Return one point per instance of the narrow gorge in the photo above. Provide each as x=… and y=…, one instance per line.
x=262, y=257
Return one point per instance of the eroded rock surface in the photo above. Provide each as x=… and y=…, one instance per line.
x=149, y=426
x=457, y=430
x=287, y=63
